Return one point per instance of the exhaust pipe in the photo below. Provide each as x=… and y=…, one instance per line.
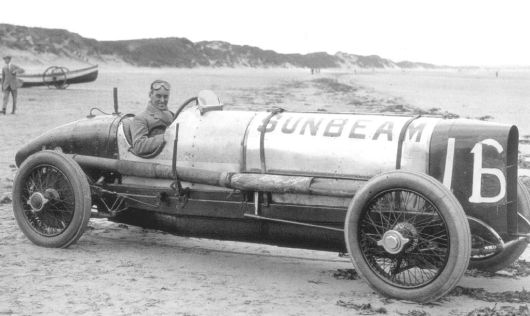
x=241, y=181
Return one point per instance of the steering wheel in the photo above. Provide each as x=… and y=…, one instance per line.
x=183, y=105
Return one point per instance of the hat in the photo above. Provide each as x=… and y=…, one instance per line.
x=7, y=57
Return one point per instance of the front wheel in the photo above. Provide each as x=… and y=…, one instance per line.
x=51, y=199
x=408, y=236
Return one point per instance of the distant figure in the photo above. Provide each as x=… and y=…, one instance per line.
x=10, y=83
x=148, y=127
x=496, y=74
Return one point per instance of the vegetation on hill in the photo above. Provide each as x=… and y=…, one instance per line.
x=176, y=52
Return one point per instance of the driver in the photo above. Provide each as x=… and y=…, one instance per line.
x=148, y=127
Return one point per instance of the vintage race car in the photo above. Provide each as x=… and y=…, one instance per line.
x=414, y=200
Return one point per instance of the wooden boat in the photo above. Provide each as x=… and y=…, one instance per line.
x=59, y=77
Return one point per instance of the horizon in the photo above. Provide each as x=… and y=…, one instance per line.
x=452, y=33
x=440, y=66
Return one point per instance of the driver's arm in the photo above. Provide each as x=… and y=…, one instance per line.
x=142, y=143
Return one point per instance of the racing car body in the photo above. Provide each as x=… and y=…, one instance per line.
x=413, y=200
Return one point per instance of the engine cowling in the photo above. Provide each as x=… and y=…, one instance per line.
x=94, y=136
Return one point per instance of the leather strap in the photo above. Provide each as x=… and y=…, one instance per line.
x=401, y=139
x=262, y=137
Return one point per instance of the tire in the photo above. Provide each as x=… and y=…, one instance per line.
x=51, y=199
x=425, y=212
x=508, y=255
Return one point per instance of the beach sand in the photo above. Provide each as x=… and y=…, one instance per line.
x=117, y=269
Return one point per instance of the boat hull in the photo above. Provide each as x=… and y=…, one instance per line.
x=61, y=79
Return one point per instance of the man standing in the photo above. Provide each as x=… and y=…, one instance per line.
x=148, y=127
x=10, y=83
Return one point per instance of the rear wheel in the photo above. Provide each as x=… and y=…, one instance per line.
x=51, y=199
x=498, y=260
x=408, y=236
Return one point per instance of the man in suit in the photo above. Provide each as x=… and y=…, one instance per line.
x=148, y=127
x=10, y=83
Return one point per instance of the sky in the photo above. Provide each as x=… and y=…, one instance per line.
x=442, y=32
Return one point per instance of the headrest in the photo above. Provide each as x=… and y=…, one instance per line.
x=208, y=101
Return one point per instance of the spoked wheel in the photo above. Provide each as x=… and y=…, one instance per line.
x=488, y=253
x=56, y=77
x=408, y=236
x=51, y=199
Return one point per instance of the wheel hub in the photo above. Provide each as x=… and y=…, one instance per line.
x=37, y=201
x=393, y=241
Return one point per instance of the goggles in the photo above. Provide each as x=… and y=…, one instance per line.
x=158, y=84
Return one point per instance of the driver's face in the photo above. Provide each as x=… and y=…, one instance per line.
x=159, y=98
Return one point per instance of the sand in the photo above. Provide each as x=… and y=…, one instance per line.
x=123, y=270
x=474, y=93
